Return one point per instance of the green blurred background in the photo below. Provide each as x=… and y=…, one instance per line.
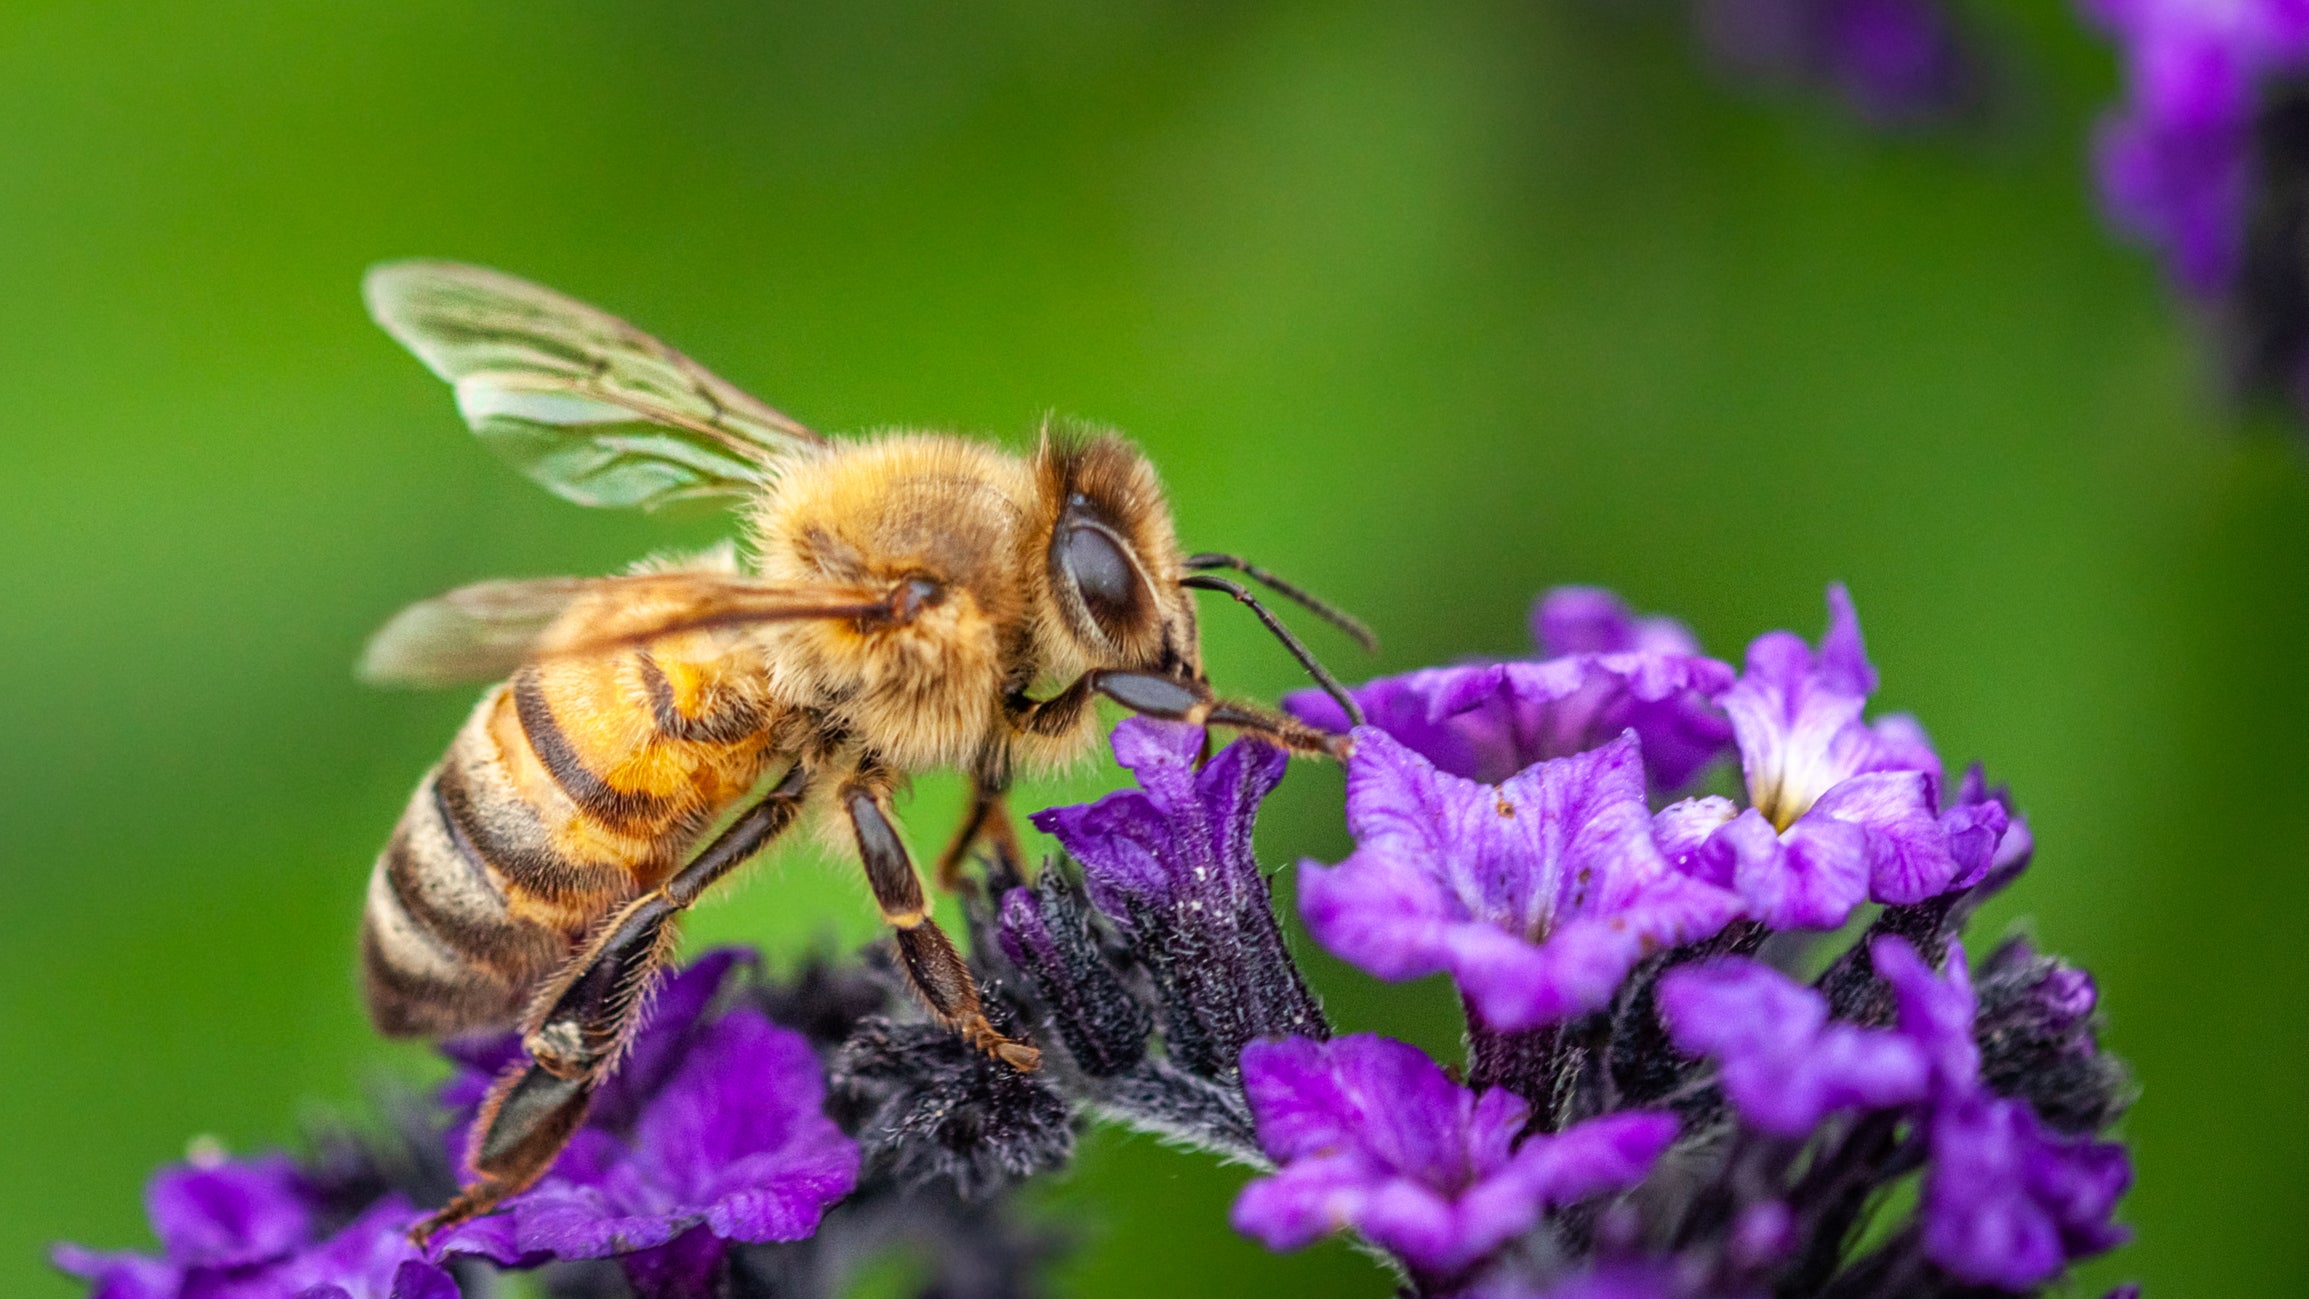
x=1428, y=306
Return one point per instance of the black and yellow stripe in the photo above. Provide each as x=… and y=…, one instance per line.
x=569, y=791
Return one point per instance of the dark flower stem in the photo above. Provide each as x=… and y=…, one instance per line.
x=1526, y=1062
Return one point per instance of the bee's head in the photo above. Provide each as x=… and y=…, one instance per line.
x=1111, y=558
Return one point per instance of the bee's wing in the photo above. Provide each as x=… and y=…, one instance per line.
x=484, y=631
x=596, y=410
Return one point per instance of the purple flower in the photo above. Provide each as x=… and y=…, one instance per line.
x=1895, y=62
x=1603, y=671
x=1840, y=809
x=2176, y=161
x=717, y=1135
x=246, y=1231
x=1782, y=1063
x=1537, y=894
x=2006, y=1202
x=1370, y=1134
x=1171, y=864
x=1592, y=620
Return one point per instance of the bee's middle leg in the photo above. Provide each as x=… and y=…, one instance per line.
x=989, y=820
x=586, y=1014
x=927, y=955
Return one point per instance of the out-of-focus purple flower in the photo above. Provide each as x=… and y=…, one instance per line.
x=1896, y=62
x=246, y=1231
x=1602, y=671
x=1370, y=1134
x=2176, y=161
x=1537, y=894
x=1840, y=809
x=718, y=1137
x=214, y=1214
x=2006, y=1202
x=1782, y=1063
x=1171, y=864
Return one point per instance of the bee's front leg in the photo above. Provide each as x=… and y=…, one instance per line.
x=1151, y=694
x=587, y=1013
x=925, y=953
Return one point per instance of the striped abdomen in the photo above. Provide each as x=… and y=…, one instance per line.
x=571, y=789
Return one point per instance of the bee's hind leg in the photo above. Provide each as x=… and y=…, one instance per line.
x=585, y=1015
x=925, y=953
x=529, y=1116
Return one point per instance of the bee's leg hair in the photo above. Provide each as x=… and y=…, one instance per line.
x=586, y=1013
x=987, y=820
x=925, y=953
x=1152, y=694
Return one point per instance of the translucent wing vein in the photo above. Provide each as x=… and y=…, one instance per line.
x=484, y=631
x=596, y=410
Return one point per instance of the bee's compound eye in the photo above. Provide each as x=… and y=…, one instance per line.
x=1101, y=573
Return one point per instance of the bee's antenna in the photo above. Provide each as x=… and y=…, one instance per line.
x=1322, y=675
x=1314, y=604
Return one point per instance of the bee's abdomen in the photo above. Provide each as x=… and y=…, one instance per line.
x=567, y=793
x=442, y=951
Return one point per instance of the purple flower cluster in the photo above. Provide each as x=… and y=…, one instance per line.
x=1655, y=1105
x=2007, y=1200
x=1541, y=891
x=1651, y=1106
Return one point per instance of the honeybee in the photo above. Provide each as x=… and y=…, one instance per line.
x=902, y=598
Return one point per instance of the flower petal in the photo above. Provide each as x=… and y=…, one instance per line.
x=226, y=1214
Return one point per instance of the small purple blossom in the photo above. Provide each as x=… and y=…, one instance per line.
x=2009, y=1204
x=1171, y=865
x=1782, y=1062
x=1602, y=671
x=1840, y=809
x=1369, y=1134
x=718, y=1136
x=1537, y=894
x=248, y=1231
